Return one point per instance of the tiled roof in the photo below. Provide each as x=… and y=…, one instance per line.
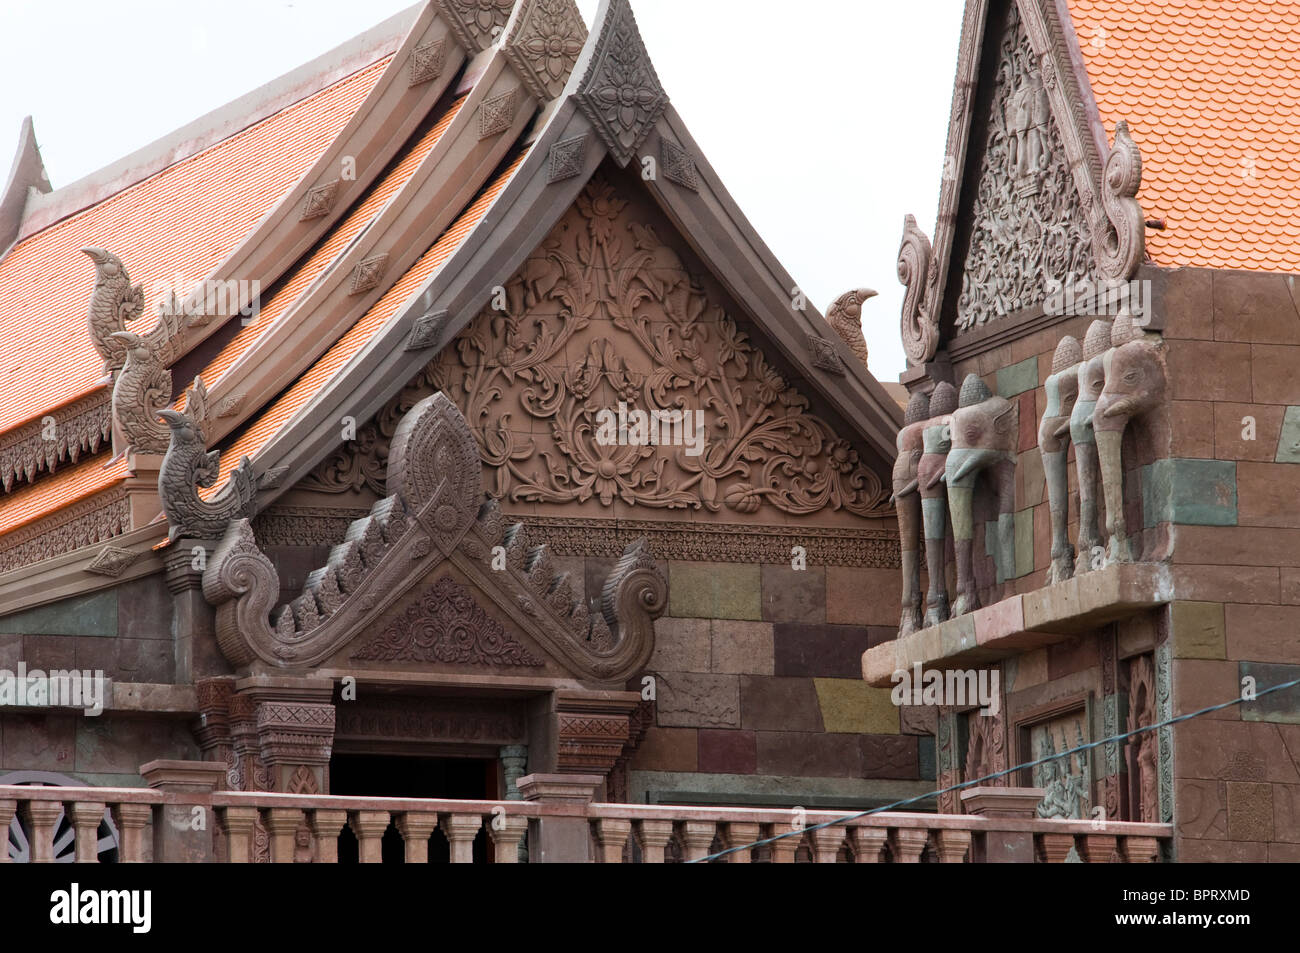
x=1211, y=92
x=256, y=436
x=64, y=488
x=183, y=221
x=335, y=243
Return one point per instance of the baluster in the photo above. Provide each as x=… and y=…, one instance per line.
x=612, y=833
x=869, y=844
x=827, y=842
x=1053, y=848
x=238, y=824
x=131, y=820
x=326, y=827
x=416, y=829
x=739, y=835
x=8, y=808
x=783, y=850
x=461, y=830
x=697, y=837
x=42, y=816
x=1141, y=850
x=86, y=818
x=369, y=826
x=282, y=824
x=506, y=831
x=1098, y=848
x=908, y=843
x=952, y=845
x=653, y=836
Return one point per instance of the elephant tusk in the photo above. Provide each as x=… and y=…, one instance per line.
x=966, y=467
x=1119, y=408
x=935, y=480
x=905, y=491
x=1062, y=430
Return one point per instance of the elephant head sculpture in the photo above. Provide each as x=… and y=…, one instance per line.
x=1134, y=388
x=907, y=503
x=930, y=472
x=985, y=437
x=1062, y=388
x=1092, y=375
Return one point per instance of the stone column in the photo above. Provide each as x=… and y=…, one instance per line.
x=184, y=833
x=561, y=839
x=194, y=639
x=514, y=765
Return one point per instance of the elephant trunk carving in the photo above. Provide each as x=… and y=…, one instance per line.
x=1134, y=390
x=1092, y=376
x=985, y=434
x=1062, y=389
x=932, y=487
x=907, y=503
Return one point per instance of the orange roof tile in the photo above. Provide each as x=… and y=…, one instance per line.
x=183, y=221
x=319, y=258
x=310, y=384
x=1210, y=90
x=66, y=487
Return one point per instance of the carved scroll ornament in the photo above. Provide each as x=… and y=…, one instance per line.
x=435, y=515
x=920, y=327
x=1122, y=238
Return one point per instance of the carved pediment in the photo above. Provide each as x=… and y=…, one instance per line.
x=1027, y=224
x=435, y=520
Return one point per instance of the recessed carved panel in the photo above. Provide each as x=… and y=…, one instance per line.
x=1027, y=224
x=446, y=625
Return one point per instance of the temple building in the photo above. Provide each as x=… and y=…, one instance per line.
x=423, y=458
x=439, y=421
x=1098, y=471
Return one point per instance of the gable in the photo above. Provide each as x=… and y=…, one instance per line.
x=612, y=376
x=1023, y=221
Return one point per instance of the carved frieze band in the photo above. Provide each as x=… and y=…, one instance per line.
x=94, y=520
x=722, y=542
x=62, y=436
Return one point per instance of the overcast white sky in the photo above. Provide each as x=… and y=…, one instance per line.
x=826, y=119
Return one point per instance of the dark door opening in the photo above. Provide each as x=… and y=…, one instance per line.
x=360, y=775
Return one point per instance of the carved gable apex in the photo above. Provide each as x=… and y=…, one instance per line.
x=619, y=90
x=1026, y=223
x=1032, y=190
x=476, y=24
x=543, y=41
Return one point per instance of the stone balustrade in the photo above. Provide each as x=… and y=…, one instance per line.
x=241, y=827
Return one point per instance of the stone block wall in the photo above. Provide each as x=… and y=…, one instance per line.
x=760, y=695
x=1234, y=351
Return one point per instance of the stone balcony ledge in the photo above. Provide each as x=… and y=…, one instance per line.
x=1024, y=622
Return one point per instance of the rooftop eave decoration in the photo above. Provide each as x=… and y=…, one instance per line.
x=617, y=87
x=26, y=175
x=542, y=41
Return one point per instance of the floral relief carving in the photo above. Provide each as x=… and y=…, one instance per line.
x=543, y=42
x=606, y=313
x=1028, y=225
x=447, y=625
